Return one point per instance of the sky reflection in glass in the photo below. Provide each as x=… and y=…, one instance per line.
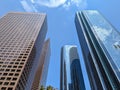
x=108, y=36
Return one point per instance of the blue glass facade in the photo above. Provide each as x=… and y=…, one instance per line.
x=71, y=77
x=101, y=49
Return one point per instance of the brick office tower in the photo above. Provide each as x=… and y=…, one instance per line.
x=21, y=40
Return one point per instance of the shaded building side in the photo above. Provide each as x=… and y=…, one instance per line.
x=41, y=73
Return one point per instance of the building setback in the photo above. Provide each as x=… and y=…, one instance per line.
x=42, y=70
x=100, y=44
x=71, y=77
x=21, y=40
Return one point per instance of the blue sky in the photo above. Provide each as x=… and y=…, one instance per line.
x=61, y=27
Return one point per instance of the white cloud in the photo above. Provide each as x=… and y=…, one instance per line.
x=32, y=1
x=50, y=3
x=28, y=7
x=67, y=5
x=64, y=3
x=78, y=3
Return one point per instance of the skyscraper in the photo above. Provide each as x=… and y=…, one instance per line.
x=21, y=40
x=71, y=77
x=42, y=70
x=100, y=44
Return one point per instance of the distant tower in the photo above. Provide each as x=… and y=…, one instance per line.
x=101, y=50
x=21, y=41
x=71, y=77
x=42, y=70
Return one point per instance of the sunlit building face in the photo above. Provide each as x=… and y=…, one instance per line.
x=21, y=40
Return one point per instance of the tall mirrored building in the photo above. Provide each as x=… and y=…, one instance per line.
x=21, y=41
x=71, y=77
x=100, y=44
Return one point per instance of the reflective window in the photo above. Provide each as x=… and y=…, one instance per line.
x=107, y=36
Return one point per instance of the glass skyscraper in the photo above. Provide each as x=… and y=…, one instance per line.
x=71, y=77
x=100, y=44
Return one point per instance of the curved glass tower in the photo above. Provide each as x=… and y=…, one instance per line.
x=71, y=77
x=101, y=49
